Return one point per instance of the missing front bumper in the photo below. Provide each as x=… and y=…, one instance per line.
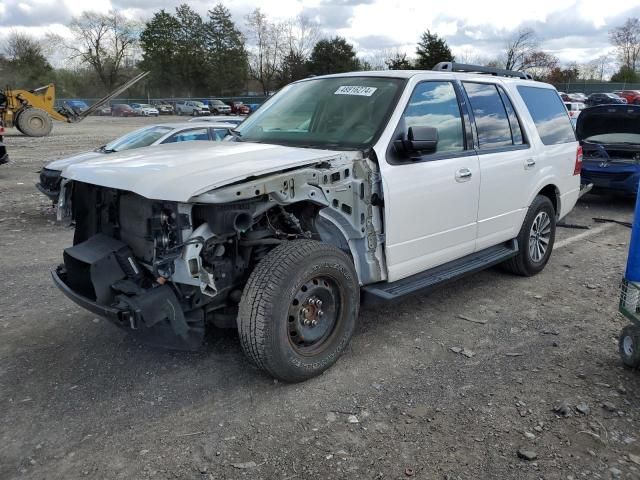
x=95, y=277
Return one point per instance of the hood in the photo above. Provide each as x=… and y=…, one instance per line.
x=607, y=119
x=179, y=171
x=65, y=162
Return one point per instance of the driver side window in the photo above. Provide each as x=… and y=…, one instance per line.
x=435, y=104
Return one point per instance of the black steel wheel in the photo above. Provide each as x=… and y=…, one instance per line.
x=299, y=309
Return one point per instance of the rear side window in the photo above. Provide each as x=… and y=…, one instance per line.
x=549, y=115
x=492, y=122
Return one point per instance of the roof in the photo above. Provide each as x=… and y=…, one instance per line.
x=407, y=74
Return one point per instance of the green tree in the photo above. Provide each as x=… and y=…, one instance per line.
x=398, y=61
x=191, y=55
x=334, y=55
x=226, y=53
x=431, y=50
x=626, y=74
x=159, y=42
x=24, y=64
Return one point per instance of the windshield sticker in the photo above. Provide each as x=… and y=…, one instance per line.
x=353, y=90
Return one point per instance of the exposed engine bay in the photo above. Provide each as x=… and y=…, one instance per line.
x=165, y=269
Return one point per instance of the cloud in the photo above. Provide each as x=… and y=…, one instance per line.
x=376, y=42
x=33, y=13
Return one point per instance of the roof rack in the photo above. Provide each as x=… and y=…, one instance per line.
x=461, y=67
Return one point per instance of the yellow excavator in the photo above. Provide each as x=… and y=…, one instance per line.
x=32, y=111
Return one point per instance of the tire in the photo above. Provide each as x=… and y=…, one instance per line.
x=16, y=124
x=280, y=302
x=629, y=346
x=35, y=122
x=529, y=261
x=215, y=112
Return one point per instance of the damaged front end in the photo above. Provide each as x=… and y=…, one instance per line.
x=164, y=269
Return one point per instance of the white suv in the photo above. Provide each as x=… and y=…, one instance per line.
x=364, y=186
x=192, y=107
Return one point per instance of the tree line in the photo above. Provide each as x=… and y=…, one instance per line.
x=189, y=54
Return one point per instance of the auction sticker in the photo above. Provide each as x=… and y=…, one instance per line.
x=354, y=90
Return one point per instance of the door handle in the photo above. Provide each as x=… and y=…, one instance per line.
x=463, y=175
x=529, y=163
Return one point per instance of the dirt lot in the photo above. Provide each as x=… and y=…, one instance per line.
x=80, y=399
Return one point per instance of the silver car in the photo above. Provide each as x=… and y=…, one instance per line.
x=144, y=137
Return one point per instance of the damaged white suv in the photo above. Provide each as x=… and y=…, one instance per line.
x=340, y=189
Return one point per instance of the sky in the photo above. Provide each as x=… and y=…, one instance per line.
x=574, y=31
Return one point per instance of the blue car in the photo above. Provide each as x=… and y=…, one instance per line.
x=610, y=139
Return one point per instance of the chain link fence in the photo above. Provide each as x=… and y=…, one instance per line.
x=588, y=87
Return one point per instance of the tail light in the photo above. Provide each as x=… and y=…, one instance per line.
x=578, y=166
x=1, y=130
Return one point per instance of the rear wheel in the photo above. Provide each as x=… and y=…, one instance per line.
x=535, y=239
x=299, y=309
x=34, y=122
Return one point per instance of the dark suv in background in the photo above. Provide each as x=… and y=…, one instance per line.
x=604, y=99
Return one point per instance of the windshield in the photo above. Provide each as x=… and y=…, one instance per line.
x=342, y=112
x=137, y=139
x=145, y=105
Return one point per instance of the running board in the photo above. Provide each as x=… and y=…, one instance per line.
x=420, y=282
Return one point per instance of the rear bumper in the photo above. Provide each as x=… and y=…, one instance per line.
x=612, y=179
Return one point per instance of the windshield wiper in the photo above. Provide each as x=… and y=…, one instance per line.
x=104, y=149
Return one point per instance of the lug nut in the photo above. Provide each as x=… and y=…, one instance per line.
x=320, y=313
x=319, y=303
x=314, y=323
x=305, y=311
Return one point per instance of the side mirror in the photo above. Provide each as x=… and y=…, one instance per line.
x=421, y=138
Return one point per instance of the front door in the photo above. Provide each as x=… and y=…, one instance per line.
x=431, y=199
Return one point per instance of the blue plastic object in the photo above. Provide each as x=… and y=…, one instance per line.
x=633, y=260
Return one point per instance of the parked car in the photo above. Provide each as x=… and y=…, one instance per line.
x=631, y=96
x=192, y=107
x=239, y=108
x=4, y=156
x=160, y=134
x=574, y=108
x=163, y=107
x=103, y=111
x=217, y=107
x=285, y=227
x=564, y=96
x=230, y=119
x=610, y=138
x=78, y=106
x=578, y=97
x=145, y=110
x=122, y=110
x=604, y=99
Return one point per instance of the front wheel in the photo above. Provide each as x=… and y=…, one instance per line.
x=535, y=240
x=299, y=309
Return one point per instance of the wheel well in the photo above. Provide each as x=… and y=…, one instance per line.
x=552, y=193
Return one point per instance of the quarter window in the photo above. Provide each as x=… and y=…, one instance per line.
x=435, y=104
x=492, y=122
x=549, y=115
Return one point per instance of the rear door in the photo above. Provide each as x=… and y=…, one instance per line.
x=431, y=199
x=507, y=163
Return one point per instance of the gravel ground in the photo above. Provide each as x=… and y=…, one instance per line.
x=79, y=398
